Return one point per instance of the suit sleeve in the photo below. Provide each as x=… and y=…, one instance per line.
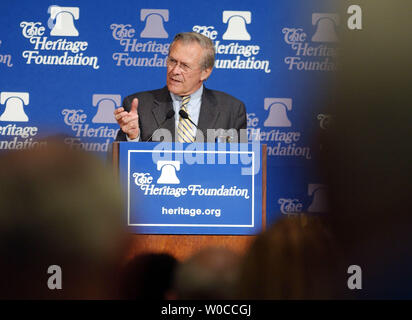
x=240, y=119
x=240, y=122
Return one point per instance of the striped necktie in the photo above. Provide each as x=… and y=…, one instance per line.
x=185, y=129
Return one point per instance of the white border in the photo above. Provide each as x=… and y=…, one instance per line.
x=191, y=225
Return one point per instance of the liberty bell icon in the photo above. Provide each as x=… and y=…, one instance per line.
x=64, y=25
x=277, y=112
x=168, y=174
x=154, y=23
x=106, y=104
x=14, y=106
x=236, y=29
x=326, y=27
x=320, y=198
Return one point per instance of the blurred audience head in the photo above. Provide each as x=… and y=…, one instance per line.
x=367, y=159
x=209, y=274
x=59, y=207
x=296, y=258
x=148, y=276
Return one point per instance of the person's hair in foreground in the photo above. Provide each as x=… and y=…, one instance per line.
x=148, y=276
x=59, y=207
x=296, y=258
x=210, y=273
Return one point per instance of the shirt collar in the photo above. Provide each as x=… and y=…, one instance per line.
x=194, y=96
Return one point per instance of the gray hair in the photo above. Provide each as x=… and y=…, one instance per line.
x=203, y=41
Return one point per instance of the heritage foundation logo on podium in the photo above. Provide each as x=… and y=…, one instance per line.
x=168, y=172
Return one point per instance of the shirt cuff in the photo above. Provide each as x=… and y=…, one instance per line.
x=133, y=140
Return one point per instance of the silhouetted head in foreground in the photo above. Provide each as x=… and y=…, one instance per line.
x=296, y=258
x=368, y=156
x=148, y=276
x=63, y=208
x=209, y=274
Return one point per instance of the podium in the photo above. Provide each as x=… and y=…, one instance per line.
x=181, y=198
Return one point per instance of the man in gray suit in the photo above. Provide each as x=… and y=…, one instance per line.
x=185, y=108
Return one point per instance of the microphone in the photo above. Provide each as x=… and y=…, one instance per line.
x=169, y=115
x=184, y=115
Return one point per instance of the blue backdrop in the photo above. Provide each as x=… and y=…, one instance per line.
x=66, y=65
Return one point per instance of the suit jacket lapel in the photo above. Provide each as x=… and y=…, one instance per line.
x=209, y=112
x=161, y=105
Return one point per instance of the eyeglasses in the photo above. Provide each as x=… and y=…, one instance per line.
x=171, y=63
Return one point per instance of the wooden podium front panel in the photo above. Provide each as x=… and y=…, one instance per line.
x=184, y=246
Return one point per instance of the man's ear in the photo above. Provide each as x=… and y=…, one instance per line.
x=205, y=74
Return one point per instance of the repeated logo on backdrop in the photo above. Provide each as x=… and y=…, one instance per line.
x=49, y=45
x=102, y=128
x=16, y=134
x=148, y=45
x=277, y=130
x=325, y=120
x=234, y=54
x=317, y=199
x=151, y=49
x=316, y=52
x=5, y=58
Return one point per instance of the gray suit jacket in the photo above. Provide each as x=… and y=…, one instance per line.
x=218, y=110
